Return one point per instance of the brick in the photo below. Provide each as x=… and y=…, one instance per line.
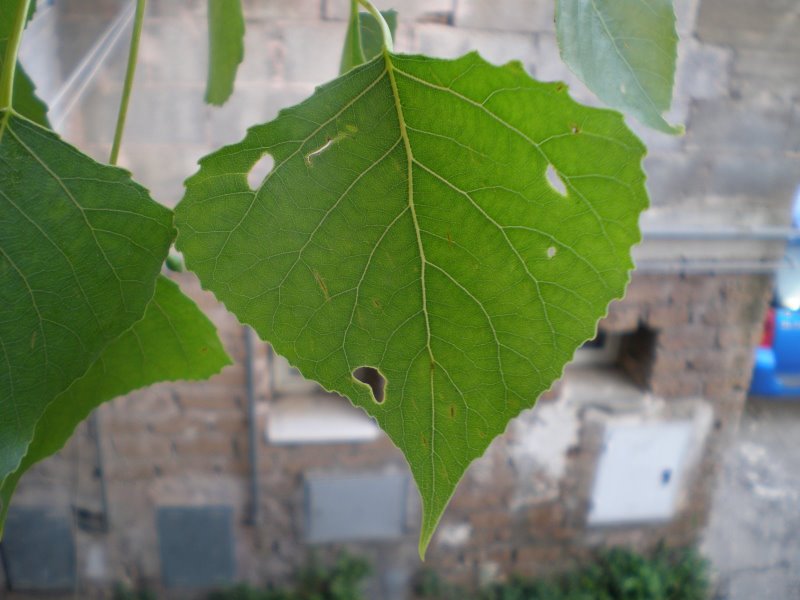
x=181, y=424
x=683, y=386
x=131, y=470
x=669, y=363
x=537, y=559
x=509, y=15
x=686, y=337
x=139, y=445
x=660, y=317
x=708, y=361
x=204, y=445
x=544, y=518
x=206, y=397
x=736, y=336
x=646, y=288
x=228, y=423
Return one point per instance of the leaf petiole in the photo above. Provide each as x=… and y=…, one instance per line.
x=386, y=33
x=133, y=54
x=10, y=59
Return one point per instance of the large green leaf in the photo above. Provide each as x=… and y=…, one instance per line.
x=25, y=100
x=81, y=245
x=364, y=39
x=624, y=50
x=409, y=225
x=174, y=340
x=225, y=48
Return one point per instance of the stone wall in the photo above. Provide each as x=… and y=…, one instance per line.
x=687, y=332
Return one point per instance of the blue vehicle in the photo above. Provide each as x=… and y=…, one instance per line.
x=777, y=368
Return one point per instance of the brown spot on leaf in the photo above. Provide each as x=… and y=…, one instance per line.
x=322, y=285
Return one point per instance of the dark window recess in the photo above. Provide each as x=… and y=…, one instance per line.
x=597, y=342
x=195, y=545
x=636, y=354
x=38, y=552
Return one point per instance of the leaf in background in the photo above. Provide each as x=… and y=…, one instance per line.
x=225, y=48
x=364, y=40
x=624, y=51
x=410, y=225
x=81, y=245
x=174, y=340
x=26, y=102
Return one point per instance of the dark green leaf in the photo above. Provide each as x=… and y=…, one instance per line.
x=364, y=40
x=26, y=102
x=409, y=225
x=624, y=50
x=174, y=340
x=81, y=245
x=225, y=48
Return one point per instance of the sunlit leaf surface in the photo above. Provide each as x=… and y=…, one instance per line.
x=457, y=226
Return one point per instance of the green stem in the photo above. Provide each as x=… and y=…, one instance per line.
x=355, y=25
x=386, y=33
x=10, y=59
x=133, y=54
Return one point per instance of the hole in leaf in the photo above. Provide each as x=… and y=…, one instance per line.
x=371, y=377
x=260, y=171
x=551, y=252
x=622, y=88
x=555, y=181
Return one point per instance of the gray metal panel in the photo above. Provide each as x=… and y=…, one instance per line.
x=195, y=545
x=355, y=507
x=39, y=550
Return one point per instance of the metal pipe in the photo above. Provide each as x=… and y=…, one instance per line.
x=252, y=432
x=94, y=425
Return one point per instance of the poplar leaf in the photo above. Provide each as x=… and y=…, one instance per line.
x=81, y=245
x=225, y=48
x=454, y=227
x=174, y=340
x=624, y=51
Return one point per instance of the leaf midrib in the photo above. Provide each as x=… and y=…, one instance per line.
x=410, y=185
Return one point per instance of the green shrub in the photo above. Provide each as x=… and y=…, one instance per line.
x=617, y=574
x=341, y=581
x=124, y=592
